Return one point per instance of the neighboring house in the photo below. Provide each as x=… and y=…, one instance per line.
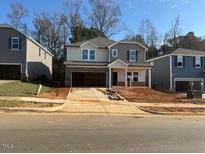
x=103, y=62
x=21, y=57
x=176, y=71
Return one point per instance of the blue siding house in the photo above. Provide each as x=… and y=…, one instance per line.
x=179, y=70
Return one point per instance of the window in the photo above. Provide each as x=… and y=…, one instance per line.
x=179, y=61
x=15, y=43
x=114, y=52
x=85, y=55
x=132, y=55
x=135, y=76
x=39, y=52
x=197, y=62
x=92, y=54
x=45, y=56
x=88, y=54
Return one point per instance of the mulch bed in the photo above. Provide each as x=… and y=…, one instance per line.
x=55, y=93
x=173, y=109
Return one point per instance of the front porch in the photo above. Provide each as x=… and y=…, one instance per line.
x=121, y=74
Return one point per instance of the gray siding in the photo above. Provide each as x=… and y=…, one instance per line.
x=161, y=74
x=189, y=70
x=122, y=52
x=11, y=56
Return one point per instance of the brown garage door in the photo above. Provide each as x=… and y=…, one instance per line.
x=184, y=85
x=10, y=72
x=88, y=79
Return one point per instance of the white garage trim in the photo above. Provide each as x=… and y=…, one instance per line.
x=186, y=79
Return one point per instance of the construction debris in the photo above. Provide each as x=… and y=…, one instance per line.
x=111, y=94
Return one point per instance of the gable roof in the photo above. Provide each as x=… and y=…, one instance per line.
x=28, y=37
x=181, y=51
x=100, y=42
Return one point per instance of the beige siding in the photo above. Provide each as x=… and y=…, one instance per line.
x=74, y=53
x=38, y=64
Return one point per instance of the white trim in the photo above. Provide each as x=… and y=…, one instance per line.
x=88, y=55
x=170, y=73
x=89, y=43
x=173, y=55
x=87, y=66
x=188, y=79
x=110, y=77
x=199, y=63
x=15, y=49
x=127, y=42
x=135, y=55
x=116, y=50
x=118, y=60
x=13, y=64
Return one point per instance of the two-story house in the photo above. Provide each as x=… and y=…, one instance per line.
x=21, y=57
x=104, y=62
x=179, y=70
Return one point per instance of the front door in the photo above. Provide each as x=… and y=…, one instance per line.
x=114, y=78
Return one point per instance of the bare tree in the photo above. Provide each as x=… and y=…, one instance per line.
x=48, y=31
x=18, y=12
x=104, y=16
x=175, y=31
x=147, y=30
x=72, y=15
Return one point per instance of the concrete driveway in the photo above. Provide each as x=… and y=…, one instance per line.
x=91, y=100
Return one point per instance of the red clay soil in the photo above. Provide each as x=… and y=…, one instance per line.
x=145, y=94
x=55, y=93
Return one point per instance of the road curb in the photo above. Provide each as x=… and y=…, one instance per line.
x=169, y=113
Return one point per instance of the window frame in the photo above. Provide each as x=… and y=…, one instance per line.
x=116, y=51
x=88, y=54
x=130, y=55
x=133, y=76
x=178, y=57
x=198, y=65
x=12, y=43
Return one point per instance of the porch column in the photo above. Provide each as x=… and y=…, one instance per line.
x=110, y=72
x=150, y=84
x=126, y=76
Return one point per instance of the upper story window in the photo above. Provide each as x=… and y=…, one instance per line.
x=88, y=54
x=114, y=52
x=132, y=55
x=92, y=54
x=197, y=62
x=180, y=61
x=39, y=52
x=15, y=43
x=45, y=55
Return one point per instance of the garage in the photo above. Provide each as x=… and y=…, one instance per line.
x=184, y=85
x=88, y=79
x=10, y=72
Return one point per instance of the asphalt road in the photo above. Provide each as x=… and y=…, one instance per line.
x=66, y=133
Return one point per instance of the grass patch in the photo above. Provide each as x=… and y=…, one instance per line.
x=20, y=88
x=8, y=103
x=26, y=104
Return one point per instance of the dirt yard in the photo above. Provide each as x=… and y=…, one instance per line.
x=144, y=94
x=55, y=93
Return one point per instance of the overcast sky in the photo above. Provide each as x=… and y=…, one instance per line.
x=160, y=12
